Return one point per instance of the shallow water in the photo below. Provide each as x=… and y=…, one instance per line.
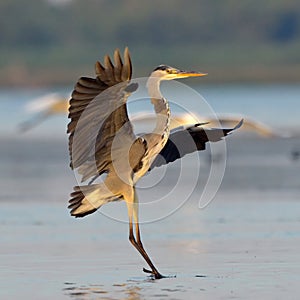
x=243, y=245
x=233, y=249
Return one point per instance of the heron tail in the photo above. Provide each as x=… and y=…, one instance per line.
x=86, y=199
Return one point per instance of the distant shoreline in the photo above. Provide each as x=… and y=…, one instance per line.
x=26, y=77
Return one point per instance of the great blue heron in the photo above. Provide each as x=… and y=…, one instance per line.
x=102, y=140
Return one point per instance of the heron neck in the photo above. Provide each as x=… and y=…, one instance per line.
x=161, y=106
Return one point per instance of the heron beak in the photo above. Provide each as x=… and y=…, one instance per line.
x=184, y=74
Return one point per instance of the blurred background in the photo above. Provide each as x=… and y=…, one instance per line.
x=251, y=52
x=48, y=42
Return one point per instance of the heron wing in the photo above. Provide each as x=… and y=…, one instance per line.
x=183, y=141
x=97, y=112
x=249, y=124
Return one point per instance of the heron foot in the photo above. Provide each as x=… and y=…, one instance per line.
x=155, y=274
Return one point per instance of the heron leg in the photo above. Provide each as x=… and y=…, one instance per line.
x=136, y=241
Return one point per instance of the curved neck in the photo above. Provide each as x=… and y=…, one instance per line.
x=160, y=104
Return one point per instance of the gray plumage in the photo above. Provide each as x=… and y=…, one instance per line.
x=102, y=141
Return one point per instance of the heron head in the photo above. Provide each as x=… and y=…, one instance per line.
x=168, y=73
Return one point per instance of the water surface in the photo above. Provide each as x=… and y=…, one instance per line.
x=243, y=245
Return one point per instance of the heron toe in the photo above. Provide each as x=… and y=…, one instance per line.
x=156, y=274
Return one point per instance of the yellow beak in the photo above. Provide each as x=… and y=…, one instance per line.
x=190, y=74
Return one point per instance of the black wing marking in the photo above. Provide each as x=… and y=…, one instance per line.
x=180, y=142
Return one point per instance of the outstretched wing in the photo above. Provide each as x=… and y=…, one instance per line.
x=183, y=141
x=97, y=112
x=249, y=124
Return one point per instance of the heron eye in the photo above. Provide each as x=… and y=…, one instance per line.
x=168, y=71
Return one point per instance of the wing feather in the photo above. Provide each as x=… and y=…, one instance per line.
x=118, y=65
x=127, y=68
x=97, y=112
x=183, y=141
